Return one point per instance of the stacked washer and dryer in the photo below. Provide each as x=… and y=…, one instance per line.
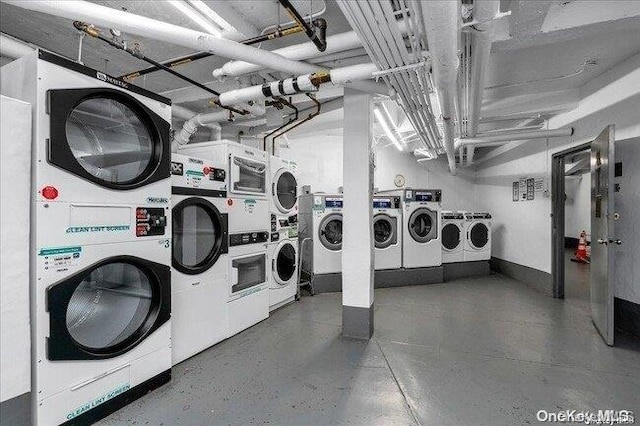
x=199, y=255
x=248, y=227
x=100, y=281
x=283, y=247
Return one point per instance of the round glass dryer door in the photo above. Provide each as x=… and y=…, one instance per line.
x=109, y=140
x=286, y=191
x=199, y=235
x=478, y=235
x=384, y=230
x=450, y=236
x=423, y=225
x=107, y=309
x=109, y=306
x=285, y=263
x=330, y=231
x=108, y=137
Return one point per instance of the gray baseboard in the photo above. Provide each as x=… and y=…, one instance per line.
x=16, y=411
x=357, y=323
x=327, y=283
x=420, y=276
x=456, y=270
x=627, y=316
x=541, y=281
x=330, y=283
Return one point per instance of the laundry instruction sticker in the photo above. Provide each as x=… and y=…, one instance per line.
x=59, y=250
x=97, y=401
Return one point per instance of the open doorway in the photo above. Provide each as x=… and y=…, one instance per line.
x=577, y=229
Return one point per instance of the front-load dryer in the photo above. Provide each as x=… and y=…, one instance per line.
x=283, y=195
x=477, y=244
x=387, y=234
x=283, y=267
x=101, y=238
x=453, y=235
x=321, y=223
x=199, y=255
x=247, y=287
x=421, y=228
x=248, y=167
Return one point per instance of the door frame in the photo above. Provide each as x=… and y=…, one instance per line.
x=557, y=215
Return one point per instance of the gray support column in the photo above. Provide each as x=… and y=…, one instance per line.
x=357, y=224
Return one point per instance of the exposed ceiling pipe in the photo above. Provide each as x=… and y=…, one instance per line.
x=13, y=48
x=484, y=11
x=511, y=117
x=442, y=22
x=162, y=31
x=301, y=84
x=335, y=44
x=504, y=138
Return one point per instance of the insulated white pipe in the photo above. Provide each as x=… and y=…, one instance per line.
x=304, y=84
x=484, y=11
x=515, y=136
x=442, y=23
x=12, y=48
x=162, y=31
x=335, y=43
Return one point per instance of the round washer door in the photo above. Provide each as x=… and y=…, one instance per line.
x=478, y=235
x=107, y=309
x=330, y=231
x=285, y=191
x=385, y=230
x=451, y=236
x=423, y=225
x=199, y=235
x=108, y=137
x=285, y=262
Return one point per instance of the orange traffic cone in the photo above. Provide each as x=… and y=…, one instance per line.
x=581, y=251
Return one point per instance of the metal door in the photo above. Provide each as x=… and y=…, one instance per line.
x=602, y=230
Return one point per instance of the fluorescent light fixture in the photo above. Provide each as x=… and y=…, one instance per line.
x=195, y=17
x=428, y=154
x=383, y=122
x=211, y=14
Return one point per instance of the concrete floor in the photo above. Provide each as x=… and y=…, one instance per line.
x=483, y=351
x=576, y=281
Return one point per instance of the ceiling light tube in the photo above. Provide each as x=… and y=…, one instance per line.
x=386, y=128
x=211, y=14
x=189, y=12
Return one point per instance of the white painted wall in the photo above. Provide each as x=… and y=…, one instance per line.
x=458, y=192
x=522, y=230
x=577, y=213
x=627, y=228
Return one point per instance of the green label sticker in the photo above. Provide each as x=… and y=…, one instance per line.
x=194, y=173
x=249, y=201
x=59, y=250
x=97, y=401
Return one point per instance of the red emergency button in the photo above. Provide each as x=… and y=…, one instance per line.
x=229, y=202
x=206, y=170
x=49, y=192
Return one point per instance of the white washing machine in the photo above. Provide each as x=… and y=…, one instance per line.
x=421, y=228
x=321, y=222
x=387, y=234
x=453, y=235
x=283, y=267
x=101, y=238
x=248, y=167
x=477, y=243
x=199, y=255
